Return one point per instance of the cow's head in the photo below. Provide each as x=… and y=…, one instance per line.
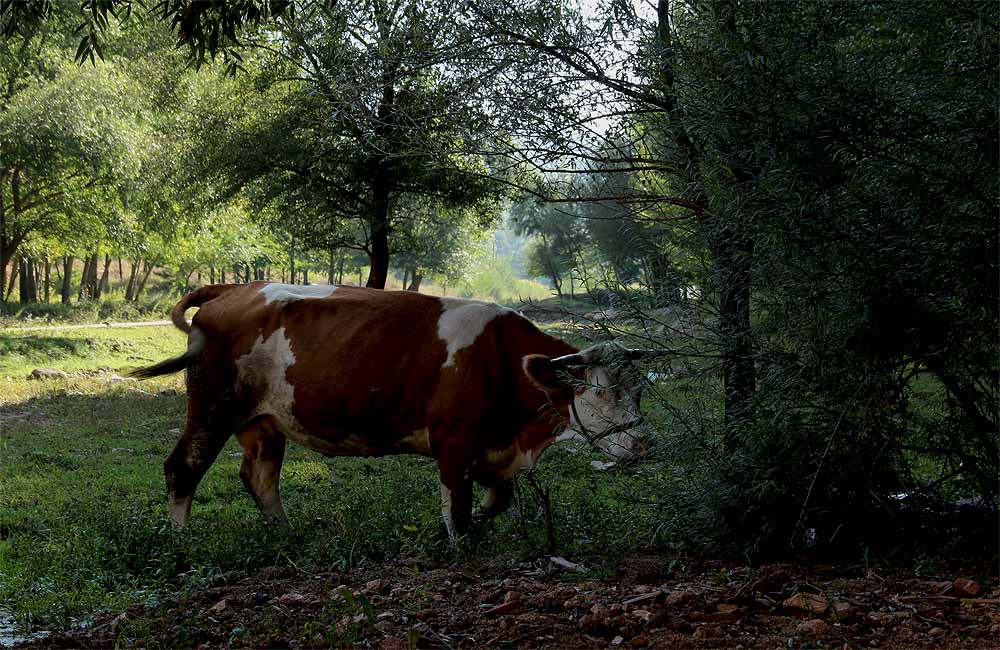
x=603, y=389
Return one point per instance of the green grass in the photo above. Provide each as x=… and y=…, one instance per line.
x=83, y=518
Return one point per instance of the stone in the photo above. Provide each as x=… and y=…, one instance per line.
x=727, y=608
x=219, y=606
x=937, y=632
x=803, y=602
x=841, y=611
x=966, y=587
x=376, y=586
x=565, y=565
x=814, y=627
x=707, y=633
x=47, y=373
x=291, y=599
x=512, y=596
x=618, y=640
x=644, y=615
x=504, y=608
x=427, y=614
x=117, y=621
x=678, y=598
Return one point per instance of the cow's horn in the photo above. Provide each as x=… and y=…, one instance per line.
x=575, y=359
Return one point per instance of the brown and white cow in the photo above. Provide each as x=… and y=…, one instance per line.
x=348, y=371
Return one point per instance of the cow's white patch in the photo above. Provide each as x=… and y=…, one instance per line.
x=462, y=321
x=291, y=292
x=510, y=461
x=261, y=372
x=449, y=522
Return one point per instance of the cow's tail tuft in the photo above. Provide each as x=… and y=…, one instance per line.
x=196, y=340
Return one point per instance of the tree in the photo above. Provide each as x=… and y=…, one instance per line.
x=361, y=117
x=560, y=238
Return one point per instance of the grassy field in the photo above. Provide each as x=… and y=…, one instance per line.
x=83, y=518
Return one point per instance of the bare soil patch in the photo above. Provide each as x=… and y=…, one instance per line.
x=648, y=603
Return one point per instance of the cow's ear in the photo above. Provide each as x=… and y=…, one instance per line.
x=545, y=372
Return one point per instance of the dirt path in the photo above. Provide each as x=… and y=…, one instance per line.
x=151, y=323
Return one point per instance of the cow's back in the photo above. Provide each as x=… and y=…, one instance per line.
x=352, y=370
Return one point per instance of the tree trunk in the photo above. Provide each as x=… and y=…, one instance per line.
x=28, y=287
x=133, y=277
x=415, y=280
x=211, y=275
x=15, y=273
x=406, y=277
x=378, y=272
x=340, y=271
x=82, y=293
x=102, y=284
x=291, y=262
x=121, y=274
x=733, y=259
x=331, y=275
x=67, y=279
x=222, y=275
x=147, y=270
x=48, y=277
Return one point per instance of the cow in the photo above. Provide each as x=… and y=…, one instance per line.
x=351, y=371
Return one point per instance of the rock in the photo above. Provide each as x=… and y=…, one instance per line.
x=500, y=610
x=937, y=632
x=292, y=599
x=376, y=586
x=512, y=596
x=47, y=373
x=168, y=392
x=803, y=602
x=384, y=616
x=707, y=633
x=566, y=565
x=644, y=615
x=601, y=612
x=116, y=378
x=642, y=589
x=814, y=627
x=258, y=599
x=428, y=613
x=841, y=611
x=618, y=640
x=546, y=602
x=727, y=608
x=219, y=606
x=117, y=621
x=679, y=598
x=941, y=587
x=966, y=587
x=393, y=643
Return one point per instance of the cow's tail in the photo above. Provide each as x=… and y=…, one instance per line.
x=196, y=340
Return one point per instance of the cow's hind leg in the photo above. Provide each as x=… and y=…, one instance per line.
x=497, y=500
x=263, y=451
x=186, y=465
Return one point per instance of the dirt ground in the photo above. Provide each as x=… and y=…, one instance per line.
x=648, y=603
